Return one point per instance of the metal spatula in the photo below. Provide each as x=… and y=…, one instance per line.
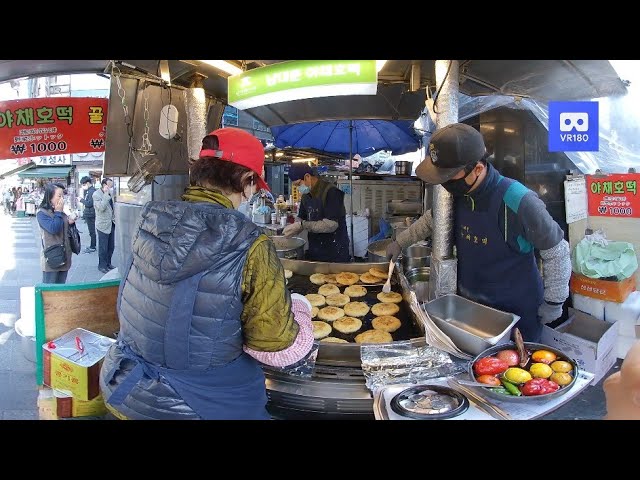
x=387, y=285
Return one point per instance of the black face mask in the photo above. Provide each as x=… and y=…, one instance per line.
x=459, y=187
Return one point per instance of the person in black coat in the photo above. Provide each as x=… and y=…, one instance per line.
x=89, y=214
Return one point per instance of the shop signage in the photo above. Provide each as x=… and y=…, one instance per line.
x=614, y=195
x=52, y=126
x=298, y=79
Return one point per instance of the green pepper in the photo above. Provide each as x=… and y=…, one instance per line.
x=511, y=388
x=500, y=390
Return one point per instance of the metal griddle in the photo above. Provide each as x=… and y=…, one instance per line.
x=348, y=354
x=302, y=285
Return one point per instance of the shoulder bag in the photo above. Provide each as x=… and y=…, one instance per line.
x=55, y=255
x=74, y=238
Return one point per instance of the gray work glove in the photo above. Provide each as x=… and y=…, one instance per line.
x=393, y=251
x=548, y=313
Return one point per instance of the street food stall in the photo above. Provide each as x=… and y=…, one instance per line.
x=349, y=379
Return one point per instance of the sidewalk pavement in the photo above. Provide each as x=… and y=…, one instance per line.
x=20, y=267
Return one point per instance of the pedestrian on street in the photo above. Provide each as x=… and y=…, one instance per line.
x=105, y=224
x=54, y=224
x=89, y=212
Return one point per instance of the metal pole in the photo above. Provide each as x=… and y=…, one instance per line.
x=353, y=255
x=447, y=77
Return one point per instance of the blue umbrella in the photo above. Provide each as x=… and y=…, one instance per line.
x=332, y=136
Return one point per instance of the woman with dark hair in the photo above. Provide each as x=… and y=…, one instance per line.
x=203, y=299
x=54, y=224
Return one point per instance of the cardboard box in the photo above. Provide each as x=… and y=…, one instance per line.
x=609, y=290
x=72, y=362
x=587, y=340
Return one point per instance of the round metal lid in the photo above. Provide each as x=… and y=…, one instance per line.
x=429, y=402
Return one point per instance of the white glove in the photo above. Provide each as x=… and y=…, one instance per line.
x=292, y=229
x=302, y=298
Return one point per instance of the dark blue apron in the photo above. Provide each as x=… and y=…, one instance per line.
x=235, y=391
x=326, y=247
x=492, y=273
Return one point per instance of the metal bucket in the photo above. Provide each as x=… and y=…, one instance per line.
x=416, y=256
x=289, y=247
x=418, y=279
x=377, y=251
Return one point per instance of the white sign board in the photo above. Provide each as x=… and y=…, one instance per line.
x=575, y=199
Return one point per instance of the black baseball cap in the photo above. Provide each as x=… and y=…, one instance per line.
x=451, y=149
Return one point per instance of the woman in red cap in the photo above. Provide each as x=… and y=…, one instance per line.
x=203, y=300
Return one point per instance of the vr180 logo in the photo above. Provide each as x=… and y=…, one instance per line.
x=573, y=126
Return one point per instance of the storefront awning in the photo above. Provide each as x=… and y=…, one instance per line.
x=46, y=172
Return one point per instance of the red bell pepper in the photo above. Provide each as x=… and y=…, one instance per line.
x=539, y=386
x=490, y=366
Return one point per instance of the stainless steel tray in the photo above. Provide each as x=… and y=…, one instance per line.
x=473, y=327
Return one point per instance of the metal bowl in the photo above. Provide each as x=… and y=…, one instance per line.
x=377, y=251
x=531, y=347
x=416, y=256
x=289, y=247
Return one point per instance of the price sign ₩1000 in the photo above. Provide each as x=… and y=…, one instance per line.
x=614, y=195
x=52, y=126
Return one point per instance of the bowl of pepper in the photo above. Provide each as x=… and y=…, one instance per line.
x=523, y=373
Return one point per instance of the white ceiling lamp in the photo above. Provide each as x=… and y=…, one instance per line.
x=225, y=66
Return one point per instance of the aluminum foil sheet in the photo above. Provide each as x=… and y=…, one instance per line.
x=196, y=106
x=444, y=277
x=442, y=246
x=402, y=362
x=302, y=368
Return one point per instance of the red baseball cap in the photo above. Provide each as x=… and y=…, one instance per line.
x=239, y=146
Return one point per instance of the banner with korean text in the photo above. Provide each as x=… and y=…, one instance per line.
x=52, y=126
x=614, y=195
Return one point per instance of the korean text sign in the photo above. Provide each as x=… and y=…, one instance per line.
x=614, y=195
x=52, y=126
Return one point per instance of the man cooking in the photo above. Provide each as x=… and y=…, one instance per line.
x=498, y=223
x=322, y=214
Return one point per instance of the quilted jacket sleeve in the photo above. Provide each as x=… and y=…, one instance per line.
x=267, y=320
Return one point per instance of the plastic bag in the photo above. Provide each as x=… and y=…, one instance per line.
x=596, y=257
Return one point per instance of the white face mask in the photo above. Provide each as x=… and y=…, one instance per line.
x=244, y=204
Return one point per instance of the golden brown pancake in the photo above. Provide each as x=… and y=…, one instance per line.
x=328, y=289
x=333, y=340
x=381, y=309
x=314, y=312
x=330, y=278
x=337, y=299
x=355, y=291
x=347, y=278
x=356, y=309
x=317, y=279
x=320, y=329
x=368, y=279
x=330, y=313
x=376, y=272
x=374, y=336
x=347, y=324
x=386, y=323
x=315, y=300
x=391, y=297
